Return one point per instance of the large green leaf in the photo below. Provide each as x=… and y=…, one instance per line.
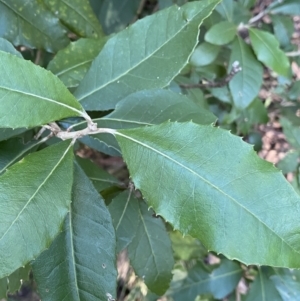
x=262, y=289
x=144, y=108
x=34, y=199
x=28, y=101
x=14, y=150
x=115, y=15
x=148, y=244
x=29, y=23
x=99, y=177
x=220, y=282
x=221, y=33
x=212, y=185
x=71, y=63
x=137, y=58
x=76, y=15
x=289, y=7
x=8, y=47
x=245, y=85
x=266, y=48
x=80, y=264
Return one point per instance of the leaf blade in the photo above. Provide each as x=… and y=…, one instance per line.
x=32, y=204
x=194, y=191
x=43, y=95
x=145, y=53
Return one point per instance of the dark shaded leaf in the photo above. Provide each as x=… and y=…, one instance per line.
x=80, y=263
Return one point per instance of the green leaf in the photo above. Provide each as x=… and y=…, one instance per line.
x=199, y=175
x=283, y=29
x=115, y=15
x=34, y=198
x=219, y=283
x=204, y=54
x=145, y=108
x=99, y=177
x=41, y=94
x=291, y=132
x=221, y=33
x=29, y=23
x=247, y=3
x=14, y=150
x=245, y=85
x=71, y=63
x=288, y=7
x=18, y=277
x=262, y=289
x=289, y=163
x=76, y=15
x=225, y=8
x=135, y=59
x=149, y=246
x=3, y=288
x=6, y=46
x=266, y=48
x=187, y=247
x=294, y=92
x=287, y=283
x=8, y=133
x=80, y=264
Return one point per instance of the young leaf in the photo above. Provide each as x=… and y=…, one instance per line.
x=76, y=15
x=208, y=183
x=144, y=108
x=6, y=46
x=71, y=63
x=219, y=283
x=14, y=150
x=28, y=101
x=80, y=263
x=137, y=59
x=245, y=85
x=149, y=246
x=99, y=177
x=221, y=33
x=204, y=54
x=29, y=23
x=34, y=199
x=262, y=289
x=266, y=48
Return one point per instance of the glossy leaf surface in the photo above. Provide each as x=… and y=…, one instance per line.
x=71, y=63
x=144, y=108
x=221, y=33
x=137, y=58
x=207, y=183
x=31, y=24
x=145, y=236
x=266, y=48
x=34, y=214
x=76, y=15
x=41, y=94
x=220, y=282
x=245, y=85
x=80, y=263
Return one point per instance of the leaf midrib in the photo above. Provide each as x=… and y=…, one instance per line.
x=37, y=190
x=140, y=62
x=206, y=181
x=42, y=98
